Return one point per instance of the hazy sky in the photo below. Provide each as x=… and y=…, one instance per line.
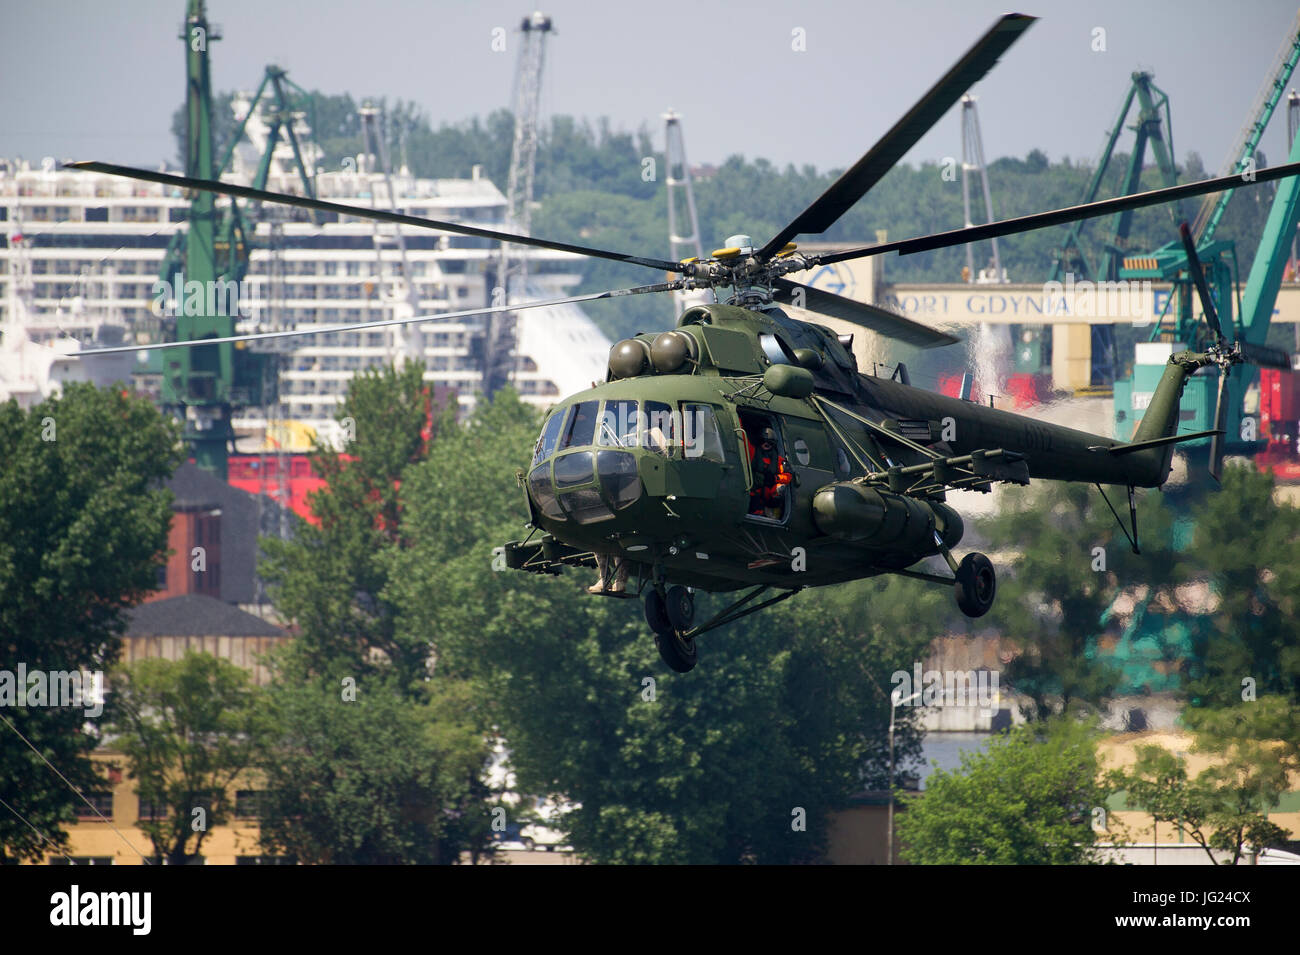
x=85, y=79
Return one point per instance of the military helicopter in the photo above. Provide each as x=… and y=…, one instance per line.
x=745, y=449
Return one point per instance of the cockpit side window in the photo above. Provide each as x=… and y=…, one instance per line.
x=550, y=433
x=700, y=436
x=661, y=427
x=582, y=426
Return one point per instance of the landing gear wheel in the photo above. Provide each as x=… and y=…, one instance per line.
x=976, y=584
x=680, y=605
x=656, y=613
x=678, y=653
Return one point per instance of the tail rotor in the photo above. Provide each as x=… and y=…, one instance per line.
x=1222, y=352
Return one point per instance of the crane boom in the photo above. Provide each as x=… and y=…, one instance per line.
x=1243, y=153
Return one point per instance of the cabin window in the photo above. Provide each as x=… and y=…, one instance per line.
x=586, y=506
x=772, y=349
x=700, y=436
x=618, y=476
x=617, y=425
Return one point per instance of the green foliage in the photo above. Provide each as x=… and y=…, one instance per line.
x=1026, y=800
x=187, y=729
x=331, y=576
x=83, y=529
x=1224, y=807
x=1249, y=547
x=1056, y=593
x=368, y=759
x=1051, y=598
x=785, y=711
x=378, y=776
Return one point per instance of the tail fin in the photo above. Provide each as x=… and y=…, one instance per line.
x=1156, y=434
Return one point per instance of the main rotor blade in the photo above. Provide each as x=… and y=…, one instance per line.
x=1198, y=277
x=1039, y=220
x=877, y=319
x=324, y=205
x=1220, y=413
x=905, y=134
x=439, y=317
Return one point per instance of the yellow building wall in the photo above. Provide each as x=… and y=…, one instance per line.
x=125, y=844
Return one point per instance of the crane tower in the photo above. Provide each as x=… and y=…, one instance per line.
x=972, y=161
x=678, y=179
x=512, y=267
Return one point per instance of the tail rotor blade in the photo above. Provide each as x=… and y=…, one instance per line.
x=1265, y=356
x=1198, y=276
x=1220, y=414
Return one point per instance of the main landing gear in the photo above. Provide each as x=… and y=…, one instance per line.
x=670, y=611
x=671, y=615
x=976, y=584
x=974, y=581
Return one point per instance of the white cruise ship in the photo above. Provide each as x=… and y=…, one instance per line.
x=92, y=246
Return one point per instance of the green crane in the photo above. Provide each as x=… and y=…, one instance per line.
x=206, y=262
x=196, y=382
x=1152, y=127
x=1177, y=321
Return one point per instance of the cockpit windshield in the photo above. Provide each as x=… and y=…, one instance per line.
x=550, y=434
x=582, y=426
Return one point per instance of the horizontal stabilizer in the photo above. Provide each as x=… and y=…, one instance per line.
x=1119, y=449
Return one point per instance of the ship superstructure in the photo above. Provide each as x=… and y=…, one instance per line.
x=92, y=245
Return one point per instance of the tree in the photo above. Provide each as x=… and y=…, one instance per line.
x=361, y=773
x=1053, y=596
x=371, y=758
x=1248, y=546
x=83, y=530
x=1028, y=799
x=330, y=578
x=1224, y=807
x=187, y=729
x=741, y=760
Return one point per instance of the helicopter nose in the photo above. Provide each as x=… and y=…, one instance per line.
x=585, y=486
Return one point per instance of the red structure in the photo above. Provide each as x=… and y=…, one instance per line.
x=1279, y=423
x=287, y=479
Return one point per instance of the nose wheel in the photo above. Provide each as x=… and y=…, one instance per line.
x=671, y=614
x=976, y=584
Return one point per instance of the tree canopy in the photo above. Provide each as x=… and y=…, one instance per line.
x=740, y=761
x=1027, y=799
x=83, y=532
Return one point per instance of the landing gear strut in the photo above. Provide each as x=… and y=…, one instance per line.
x=670, y=615
x=976, y=584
